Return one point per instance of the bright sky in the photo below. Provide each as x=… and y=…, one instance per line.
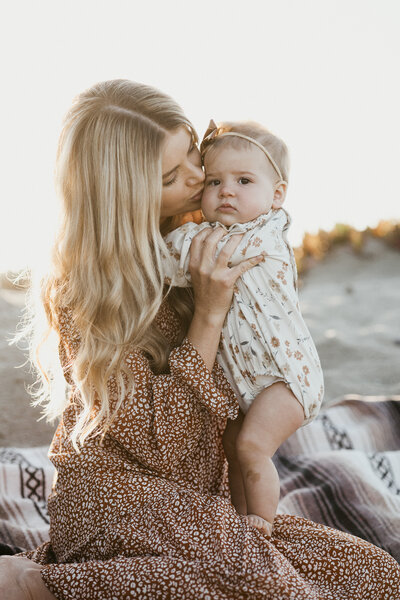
x=322, y=74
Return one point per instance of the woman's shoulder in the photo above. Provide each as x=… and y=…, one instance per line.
x=168, y=322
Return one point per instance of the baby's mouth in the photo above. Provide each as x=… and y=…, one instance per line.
x=226, y=207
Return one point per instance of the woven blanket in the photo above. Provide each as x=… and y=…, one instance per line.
x=26, y=476
x=343, y=470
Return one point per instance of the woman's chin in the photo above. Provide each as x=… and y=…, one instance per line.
x=193, y=205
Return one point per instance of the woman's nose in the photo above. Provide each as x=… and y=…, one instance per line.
x=196, y=176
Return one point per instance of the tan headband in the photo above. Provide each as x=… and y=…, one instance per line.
x=212, y=133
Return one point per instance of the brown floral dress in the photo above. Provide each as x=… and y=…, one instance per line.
x=146, y=515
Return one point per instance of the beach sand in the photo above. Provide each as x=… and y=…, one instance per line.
x=350, y=302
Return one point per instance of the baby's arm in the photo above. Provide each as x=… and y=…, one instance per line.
x=176, y=263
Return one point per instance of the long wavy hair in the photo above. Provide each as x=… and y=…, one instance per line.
x=106, y=261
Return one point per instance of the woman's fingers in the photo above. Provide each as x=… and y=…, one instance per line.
x=212, y=279
x=204, y=245
x=226, y=253
x=228, y=249
x=245, y=265
x=203, y=254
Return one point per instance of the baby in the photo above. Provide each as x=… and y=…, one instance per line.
x=266, y=350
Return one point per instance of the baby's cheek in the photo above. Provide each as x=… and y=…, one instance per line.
x=207, y=205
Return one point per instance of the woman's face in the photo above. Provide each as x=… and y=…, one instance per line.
x=183, y=177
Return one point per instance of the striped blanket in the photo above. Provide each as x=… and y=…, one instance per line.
x=342, y=470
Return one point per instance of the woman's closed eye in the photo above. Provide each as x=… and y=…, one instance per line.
x=171, y=181
x=175, y=177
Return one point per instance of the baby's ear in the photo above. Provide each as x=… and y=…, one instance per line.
x=279, y=194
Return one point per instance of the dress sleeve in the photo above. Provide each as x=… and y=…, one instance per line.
x=164, y=419
x=167, y=410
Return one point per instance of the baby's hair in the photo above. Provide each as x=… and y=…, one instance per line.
x=272, y=143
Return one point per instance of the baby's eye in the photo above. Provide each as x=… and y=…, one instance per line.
x=214, y=182
x=244, y=180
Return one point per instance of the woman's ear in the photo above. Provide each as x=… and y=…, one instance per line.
x=279, y=194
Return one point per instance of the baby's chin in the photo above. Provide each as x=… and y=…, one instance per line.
x=227, y=219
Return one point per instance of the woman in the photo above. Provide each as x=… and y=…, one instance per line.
x=140, y=508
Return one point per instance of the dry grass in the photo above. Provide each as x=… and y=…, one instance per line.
x=316, y=246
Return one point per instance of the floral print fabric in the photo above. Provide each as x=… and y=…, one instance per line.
x=264, y=338
x=146, y=515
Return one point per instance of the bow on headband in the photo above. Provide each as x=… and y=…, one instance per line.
x=212, y=133
x=209, y=135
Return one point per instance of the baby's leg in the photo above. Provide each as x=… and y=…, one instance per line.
x=235, y=475
x=273, y=416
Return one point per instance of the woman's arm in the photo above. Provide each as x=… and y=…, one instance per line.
x=192, y=261
x=213, y=283
x=166, y=407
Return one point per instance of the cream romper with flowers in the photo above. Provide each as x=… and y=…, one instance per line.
x=264, y=338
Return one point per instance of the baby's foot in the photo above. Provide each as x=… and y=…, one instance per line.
x=260, y=524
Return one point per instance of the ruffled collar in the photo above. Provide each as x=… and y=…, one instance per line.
x=243, y=227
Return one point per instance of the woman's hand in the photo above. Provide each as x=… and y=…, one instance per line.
x=20, y=579
x=213, y=282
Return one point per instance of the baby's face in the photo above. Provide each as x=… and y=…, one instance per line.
x=239, y=185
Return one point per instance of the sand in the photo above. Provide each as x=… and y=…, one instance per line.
x=18, y=423
x=352, y=306
x=350, y=302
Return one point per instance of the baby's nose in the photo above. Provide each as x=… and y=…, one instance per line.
x=225, y=190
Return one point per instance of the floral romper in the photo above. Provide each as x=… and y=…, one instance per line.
x=264, y=337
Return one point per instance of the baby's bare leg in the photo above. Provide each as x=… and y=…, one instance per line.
x=273, y=416
x=235, y=475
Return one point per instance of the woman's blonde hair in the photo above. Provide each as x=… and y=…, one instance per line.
x=275, y=146
x=106, y=263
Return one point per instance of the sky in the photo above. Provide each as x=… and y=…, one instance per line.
x=321, y=74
